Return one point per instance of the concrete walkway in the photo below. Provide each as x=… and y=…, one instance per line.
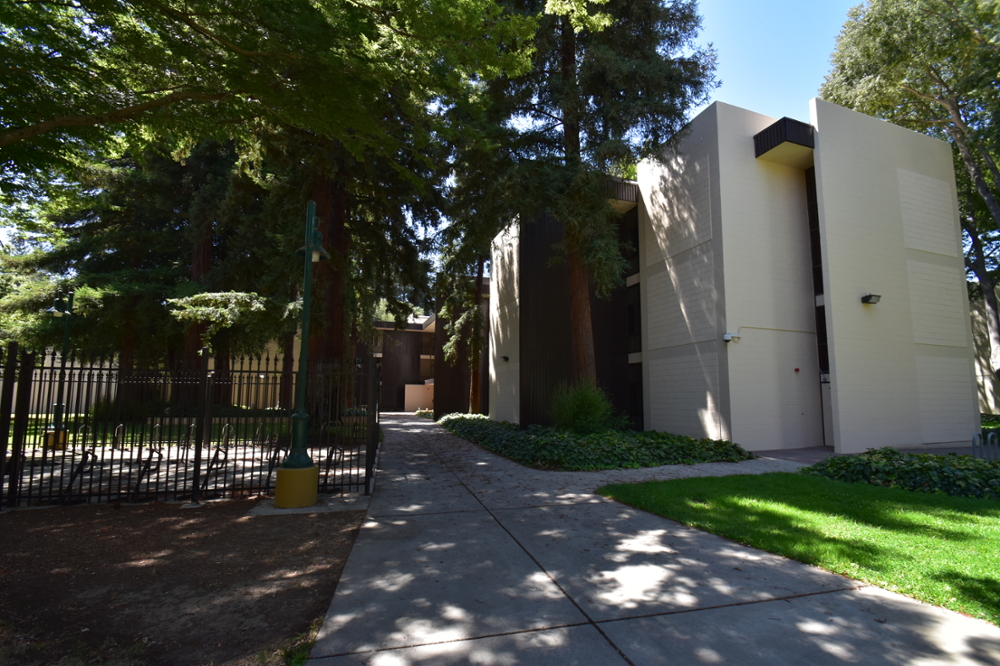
x=466, y=558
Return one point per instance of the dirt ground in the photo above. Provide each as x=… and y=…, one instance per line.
x=157, y=584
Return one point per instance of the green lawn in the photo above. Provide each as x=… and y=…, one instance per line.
x=939, y=549
x=174, y=432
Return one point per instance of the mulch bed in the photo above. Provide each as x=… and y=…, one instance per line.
x=158, y=584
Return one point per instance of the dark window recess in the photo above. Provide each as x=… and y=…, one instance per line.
x=635, y=395
x=634, y=320
x=629, y=238
x=821, y=341
x=814, y=242
x=633, y=254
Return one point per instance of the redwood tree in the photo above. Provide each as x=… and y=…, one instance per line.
x=611, y=83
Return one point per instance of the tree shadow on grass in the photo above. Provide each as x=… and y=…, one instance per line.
x=774, y=513
x=985, y=591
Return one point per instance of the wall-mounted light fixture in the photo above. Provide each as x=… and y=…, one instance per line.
x=731, y=337
x=505, y=359
x=870, y=299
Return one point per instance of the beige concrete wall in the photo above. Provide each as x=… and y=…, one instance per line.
x=901, y=371
x=683, y=391
x=418, y=396
x=505, y=378
x=773, y=368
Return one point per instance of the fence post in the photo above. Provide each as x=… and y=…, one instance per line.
x=200, y=411
x=6, y=401
x=22, y=407
x=373, y=387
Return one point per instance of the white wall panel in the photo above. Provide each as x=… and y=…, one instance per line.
x=681, y=301
x=945, y=391
x=937, y=304
x=928, y=213
x=682, y=394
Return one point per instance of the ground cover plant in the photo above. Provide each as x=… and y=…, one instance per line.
x=961, y=476
x=940, y=549
x=558, y=449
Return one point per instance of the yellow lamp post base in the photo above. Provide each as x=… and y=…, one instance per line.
x=55, y=440
x=296, y=488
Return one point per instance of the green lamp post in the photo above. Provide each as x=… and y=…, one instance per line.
x=56, y=438
x=298, y=476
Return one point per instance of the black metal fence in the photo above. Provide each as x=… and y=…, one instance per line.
x=156, y=432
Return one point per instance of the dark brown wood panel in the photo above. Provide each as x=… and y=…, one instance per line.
x=400, y=366
x=544, y=327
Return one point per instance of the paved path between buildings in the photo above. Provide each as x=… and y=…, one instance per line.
x=467, y=558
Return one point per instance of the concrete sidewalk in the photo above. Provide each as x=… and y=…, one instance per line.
x=467, y=558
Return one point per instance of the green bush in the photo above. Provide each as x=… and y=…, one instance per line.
x=584, y=408
x=126, y=409
x=951, y=474
x=425, y=413
x=560, y=449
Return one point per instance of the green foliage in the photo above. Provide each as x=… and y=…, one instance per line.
x=585, y=408
x=939, y=549
x=425, y=413
x=90, y=72
x=543, y=142
x=555, y=449
x=144, y=229
x=960, y=476
x=931, y=66
x=126, y=410
x=258, y=318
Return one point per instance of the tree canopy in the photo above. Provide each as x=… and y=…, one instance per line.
x=86, y=71
x=608, y=86
x=934, y=66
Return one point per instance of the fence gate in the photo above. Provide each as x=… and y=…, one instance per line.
x=92, y=430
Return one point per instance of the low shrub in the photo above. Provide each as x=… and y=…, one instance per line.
x=584, y=408
x=951, y=474
x=561, y=449
x=127, y=409
x=425, y=413
x=354, y=411
x=989, y=421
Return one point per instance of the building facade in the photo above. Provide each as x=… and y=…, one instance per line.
x=795, y=285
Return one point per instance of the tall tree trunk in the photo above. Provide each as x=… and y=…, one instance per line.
x=977, y=263
x=223, y=379
x=476, y=342
x=327, y=346
x=971, y=166
x=580, y=321
x=286, y=398
x=201, y=264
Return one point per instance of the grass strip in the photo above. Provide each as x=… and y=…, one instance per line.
x=558, y=449
x=940, y=549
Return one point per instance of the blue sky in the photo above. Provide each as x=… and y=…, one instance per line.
x=772, y=54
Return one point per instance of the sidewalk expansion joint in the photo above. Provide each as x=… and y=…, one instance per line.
x=538, y=564
x=453, y=640
x=414, y=514
x=735, y=604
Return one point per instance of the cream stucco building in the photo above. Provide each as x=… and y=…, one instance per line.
x=758, y=242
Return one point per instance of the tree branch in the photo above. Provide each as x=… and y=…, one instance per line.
x=118, y=115
x=202, y=30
